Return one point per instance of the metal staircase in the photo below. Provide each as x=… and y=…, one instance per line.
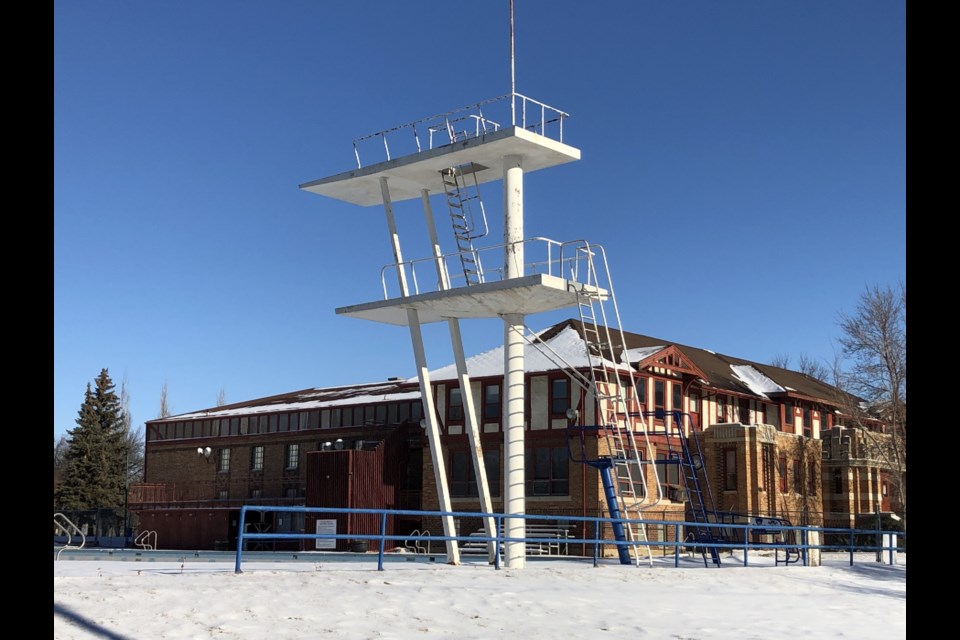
x=615, y=394
x=677, y=428
x=467, y=216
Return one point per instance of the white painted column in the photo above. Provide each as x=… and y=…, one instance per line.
x=514, y=470
x=426, y=393
x=469, y=408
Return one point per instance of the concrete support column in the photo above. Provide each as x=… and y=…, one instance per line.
x=426, y=393
x=469, y=410
x=514, y=396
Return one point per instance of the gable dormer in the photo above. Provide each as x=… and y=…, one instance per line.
x=670, y=361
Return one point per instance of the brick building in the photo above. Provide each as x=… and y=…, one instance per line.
x=774, y=442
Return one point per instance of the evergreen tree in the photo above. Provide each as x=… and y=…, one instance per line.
x=95, y=465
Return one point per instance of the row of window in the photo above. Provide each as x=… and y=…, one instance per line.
x=728, y=410
x=333, y=418
x=559, y=398
x=291, y=457
x=730, y=479
x=547, y=472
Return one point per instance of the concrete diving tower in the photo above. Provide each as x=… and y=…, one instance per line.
x=419, y=174
x=451, y=155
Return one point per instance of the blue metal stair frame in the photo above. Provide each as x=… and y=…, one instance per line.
x=605, y=465
x=690, y=460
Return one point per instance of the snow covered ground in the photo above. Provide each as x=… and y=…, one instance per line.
x=552, y=599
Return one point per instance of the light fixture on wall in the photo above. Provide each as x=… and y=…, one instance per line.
x=572, y=415
x=338, y=444
x=204, y=453
x=326, y=446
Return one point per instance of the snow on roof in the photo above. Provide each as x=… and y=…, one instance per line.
x=307, y=403
x=566, y=349
x=755, y=380
x=641, y=353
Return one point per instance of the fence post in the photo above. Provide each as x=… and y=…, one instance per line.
x=876, y=510
x=596, y=541
x=243, y=515
x=746, y=544
x=852, y=529
x=676, y=545
x=383, y=533
x=496, y=535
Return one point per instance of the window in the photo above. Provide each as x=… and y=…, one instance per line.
x=782, y=473
x=632, y=472
x=824, y=420
x=272, y=425
x=837, y=481
x=455, y=406
x=807, y=423
x=223, y=494
x=797, y=477
x=659, y=395
x=812, y=478
x=463, y=479
x=285, y=422
x=559, y=396
x=491, y=402
x=668, y=472
x=223, y=460
x=677, y=396
x=721, y=409
x=548, y=471
x=729, y=469
x=256, y=492
x=292, y=456
x=884, y=488
x=642, y=393
x=744, y=415
x=771, y=415
x=787, y=413
x=256, y=458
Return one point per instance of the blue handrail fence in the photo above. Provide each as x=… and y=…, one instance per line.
x=730, y=536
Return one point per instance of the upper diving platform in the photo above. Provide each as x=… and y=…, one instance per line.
x=412, y=156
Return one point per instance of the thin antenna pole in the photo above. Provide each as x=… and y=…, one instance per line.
x=513, y=80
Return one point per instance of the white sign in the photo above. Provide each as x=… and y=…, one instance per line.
x=327, y=526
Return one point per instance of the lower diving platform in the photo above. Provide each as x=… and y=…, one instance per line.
x=524, y=295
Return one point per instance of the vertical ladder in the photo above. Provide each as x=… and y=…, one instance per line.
x=463, y=196
x=604, y=351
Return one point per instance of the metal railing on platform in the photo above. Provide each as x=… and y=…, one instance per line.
x=464, y=123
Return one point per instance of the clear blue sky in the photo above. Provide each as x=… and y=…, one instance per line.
x=743, y=164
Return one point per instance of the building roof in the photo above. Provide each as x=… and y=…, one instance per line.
x=562, y=346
